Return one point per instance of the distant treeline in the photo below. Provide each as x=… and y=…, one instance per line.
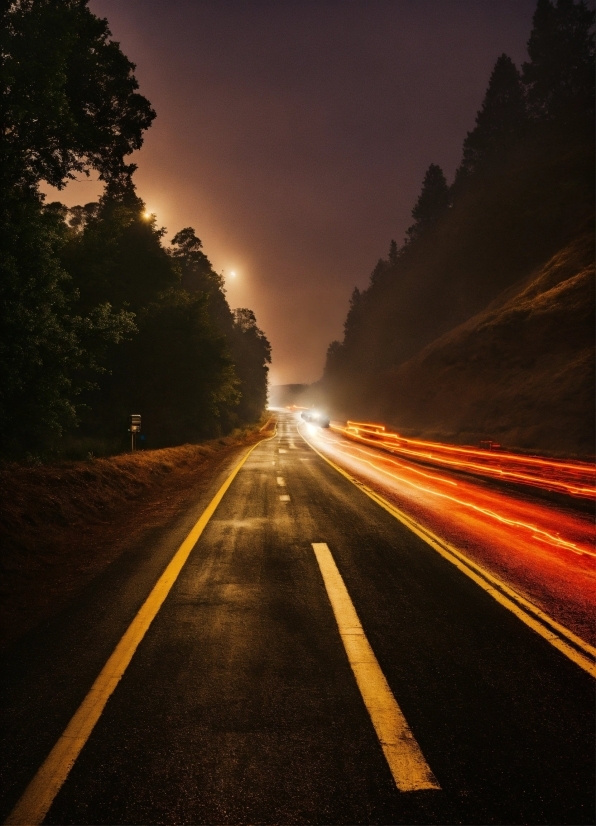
x=525, y=188
x=99, y=318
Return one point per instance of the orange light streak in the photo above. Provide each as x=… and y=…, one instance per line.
x=536, y=532
x=571, y=478
x=543, y=550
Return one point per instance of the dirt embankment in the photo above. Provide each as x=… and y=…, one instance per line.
x=521, y=372
x=62, y=524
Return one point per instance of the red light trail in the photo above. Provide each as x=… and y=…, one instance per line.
x=544, y=552
x=570, y=478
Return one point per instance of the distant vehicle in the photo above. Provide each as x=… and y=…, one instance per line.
x=315, y=417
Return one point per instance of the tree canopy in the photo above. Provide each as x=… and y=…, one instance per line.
x=524, y=189
x=99, y=319
x=433, y=202
x=559, y=77
x=500, y=122
x=71, y=102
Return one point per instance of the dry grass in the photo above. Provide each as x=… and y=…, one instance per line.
x=64, y=523
x=521, y=372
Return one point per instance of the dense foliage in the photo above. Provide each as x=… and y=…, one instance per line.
x=99, y=318
x=523, y=190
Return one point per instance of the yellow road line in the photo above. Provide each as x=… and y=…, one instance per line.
x=573, y=647
x=406, y=761
x=39, y=795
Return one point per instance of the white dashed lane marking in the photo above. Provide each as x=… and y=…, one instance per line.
x=406, y=761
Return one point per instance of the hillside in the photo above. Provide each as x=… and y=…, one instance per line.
x=521, y=372
x=481, y=325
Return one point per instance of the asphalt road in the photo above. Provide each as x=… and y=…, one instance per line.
x=240, y=704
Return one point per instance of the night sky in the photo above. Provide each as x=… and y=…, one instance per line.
x=293, y=136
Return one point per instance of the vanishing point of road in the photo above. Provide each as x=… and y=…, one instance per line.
x=293, y=654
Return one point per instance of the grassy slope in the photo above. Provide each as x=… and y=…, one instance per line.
x=521, y=372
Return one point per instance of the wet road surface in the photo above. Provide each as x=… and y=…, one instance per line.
x=242, y=703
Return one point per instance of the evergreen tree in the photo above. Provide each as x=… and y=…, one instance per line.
x=198, y=276
x=528, y=168
x=393, y=257
x=353, y=317
x=432, y=204
x=378, y=272
x=333, y=361
x=384, y=266
x=559, y=76
x=251, y=353
x=499, y=123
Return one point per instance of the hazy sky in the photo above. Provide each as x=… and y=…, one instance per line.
x=293, y=135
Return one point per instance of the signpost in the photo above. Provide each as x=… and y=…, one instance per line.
x=135, y=427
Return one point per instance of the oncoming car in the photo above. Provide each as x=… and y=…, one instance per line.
x=315, y=417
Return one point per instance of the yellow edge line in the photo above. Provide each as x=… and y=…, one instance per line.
x=39, y=795
x=501, y=592
x=410, y=770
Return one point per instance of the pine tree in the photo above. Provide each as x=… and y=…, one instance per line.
x=499, y=123
x=432, y=204
x=559, y=77
x=393, y=254
x=252, y=353
x=354, y=313
x=384, y=266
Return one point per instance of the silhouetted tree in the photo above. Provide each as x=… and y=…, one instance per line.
x=333, y=358
x=197, y=272
x=198, y=276
x=49, y=351
x=354, y=313
x=118, y=256
x=70, y=101
x=79, y=216
x=178, y=372
x=499, y=123
x=69, y=105
x=528, y=170
x=393, y=256
x=433, y=202
x=379, y=271
x=97, y=317
x=251, y=353
x=559, y=76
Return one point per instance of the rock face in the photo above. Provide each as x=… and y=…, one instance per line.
x=521, y=372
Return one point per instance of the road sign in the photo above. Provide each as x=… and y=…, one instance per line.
x=135, y=427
